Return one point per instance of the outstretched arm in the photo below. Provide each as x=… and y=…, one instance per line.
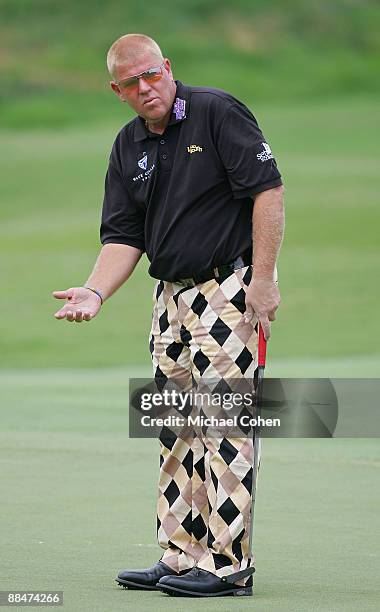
x=113, y=267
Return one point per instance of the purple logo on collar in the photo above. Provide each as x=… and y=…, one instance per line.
x=179, y=108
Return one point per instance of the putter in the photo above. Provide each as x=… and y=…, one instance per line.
x=262, y=353
x=261, y=360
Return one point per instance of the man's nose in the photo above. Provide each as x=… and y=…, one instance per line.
x=144, y=87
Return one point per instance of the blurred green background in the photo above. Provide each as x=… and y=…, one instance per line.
x=78, y=497
x=308, y=71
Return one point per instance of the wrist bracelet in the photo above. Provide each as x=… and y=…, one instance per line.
x=95, y=291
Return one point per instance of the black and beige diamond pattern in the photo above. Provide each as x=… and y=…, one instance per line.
x=199, y=334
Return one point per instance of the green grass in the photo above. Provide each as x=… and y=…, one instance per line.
x=51, y=192
x=277, y=50
x=77, y=495
x=78, y=503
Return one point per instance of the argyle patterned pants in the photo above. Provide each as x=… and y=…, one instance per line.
x=204, y=504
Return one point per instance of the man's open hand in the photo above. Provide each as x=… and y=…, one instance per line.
x=82, y=304
x=262, y=299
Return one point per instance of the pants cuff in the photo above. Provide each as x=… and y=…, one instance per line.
x=208, y=564
x=178, y=560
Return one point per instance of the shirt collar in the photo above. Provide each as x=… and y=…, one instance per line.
x=180, y=111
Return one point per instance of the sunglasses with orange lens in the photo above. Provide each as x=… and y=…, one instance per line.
x=152, y=74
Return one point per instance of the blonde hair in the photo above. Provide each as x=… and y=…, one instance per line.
x=130, y=47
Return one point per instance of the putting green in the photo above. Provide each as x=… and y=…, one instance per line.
x=78, y=503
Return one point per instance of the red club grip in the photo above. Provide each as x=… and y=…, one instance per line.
x=262, y=349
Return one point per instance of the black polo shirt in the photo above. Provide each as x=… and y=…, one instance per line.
x=186, y=196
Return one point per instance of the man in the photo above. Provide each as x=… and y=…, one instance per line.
x=191, y=182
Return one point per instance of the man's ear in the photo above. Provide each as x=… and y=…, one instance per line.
x=115, y=88
x=168, y=66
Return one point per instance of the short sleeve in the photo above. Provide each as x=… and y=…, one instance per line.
x=122, y=220
x=245, y=154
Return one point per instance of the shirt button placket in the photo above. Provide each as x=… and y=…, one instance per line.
x=164, y=154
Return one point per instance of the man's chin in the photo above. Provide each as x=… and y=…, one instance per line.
x=153, y=114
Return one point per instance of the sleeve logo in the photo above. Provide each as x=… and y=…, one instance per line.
x=266, y=154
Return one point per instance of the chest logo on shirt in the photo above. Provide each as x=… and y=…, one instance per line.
x=147, y=172
x=266, y=154
x=143, y=162
x=194, y=149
